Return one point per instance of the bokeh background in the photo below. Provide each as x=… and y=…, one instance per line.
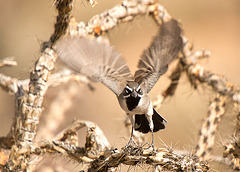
x=214, y=25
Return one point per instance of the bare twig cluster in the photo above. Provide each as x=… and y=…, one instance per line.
x=20, y=145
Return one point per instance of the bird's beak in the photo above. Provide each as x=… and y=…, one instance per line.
x=134, y=94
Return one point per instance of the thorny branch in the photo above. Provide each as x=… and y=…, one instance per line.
x=97, y=152
x=198, y=74
x=30, y=108
x=209, y=127
x=9, y=61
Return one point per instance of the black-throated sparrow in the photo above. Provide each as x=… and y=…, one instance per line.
x=102, y=63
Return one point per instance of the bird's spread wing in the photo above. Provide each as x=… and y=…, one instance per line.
x=164, y=48
x=98, y=61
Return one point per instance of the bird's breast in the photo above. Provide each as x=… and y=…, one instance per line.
x=132, y=102
x=138, y=105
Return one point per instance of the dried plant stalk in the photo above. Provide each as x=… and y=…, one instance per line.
x=209, y=127
x=232, y=150
x=199, y=73
x=232, y=147
x=125, y=12
x=8, y=61
x=163, y=160
x=99, y=138
x=8, y=84
x=30, y=109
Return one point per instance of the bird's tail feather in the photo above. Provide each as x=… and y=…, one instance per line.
x=142, y=124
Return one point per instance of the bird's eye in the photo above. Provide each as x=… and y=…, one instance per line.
x=139, y=91
x=127, y=91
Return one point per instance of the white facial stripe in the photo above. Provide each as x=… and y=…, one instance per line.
x=126, y=96
x=138, y=88
x=128, y=88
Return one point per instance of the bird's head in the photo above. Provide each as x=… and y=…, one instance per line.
x=132, y=89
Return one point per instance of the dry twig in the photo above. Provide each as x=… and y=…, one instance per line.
x=29, y=112
x=8, y=61
x=209, y=127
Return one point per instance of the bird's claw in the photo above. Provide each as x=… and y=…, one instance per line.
x=131, y=143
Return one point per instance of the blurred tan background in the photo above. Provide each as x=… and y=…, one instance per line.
x=214, y=25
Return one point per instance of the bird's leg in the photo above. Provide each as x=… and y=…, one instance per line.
x=131, y=137
x=152, y=140
x=151, y=126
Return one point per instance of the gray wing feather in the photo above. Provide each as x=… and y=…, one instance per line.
x=98, y=61
x=164, y=48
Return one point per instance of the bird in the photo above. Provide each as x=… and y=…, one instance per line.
x=101, y=62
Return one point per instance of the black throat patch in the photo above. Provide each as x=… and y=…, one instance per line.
x=132, y=102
